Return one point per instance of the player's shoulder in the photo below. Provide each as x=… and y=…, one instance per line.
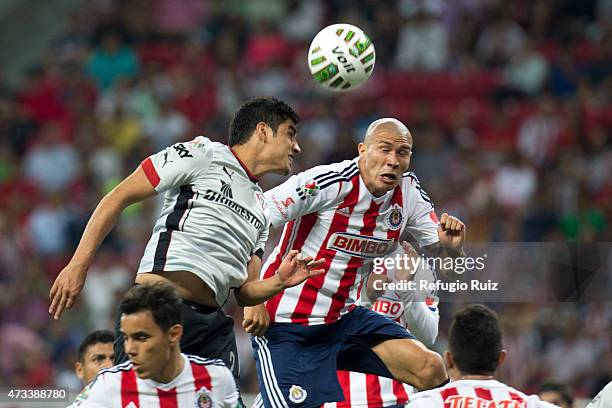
x=422, y=399
x=107, y=375
x=410, y=181
x=106, y=382
x=332, y=172
x=409, y=178
x=202, y=361
x=321, y=179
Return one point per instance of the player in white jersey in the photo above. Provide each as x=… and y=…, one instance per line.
x=347, y=213
x=210, y=235
x=158, y=374
x=475, y=352
x=603, y=399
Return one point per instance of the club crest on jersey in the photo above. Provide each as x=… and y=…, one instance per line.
x=394, y=218
x=297, y=394
x=203, y=399
x=310, y=188
x=359, y=245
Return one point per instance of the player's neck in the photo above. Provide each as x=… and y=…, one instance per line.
x=479, y=377
x=172, y=369
x=247, y=156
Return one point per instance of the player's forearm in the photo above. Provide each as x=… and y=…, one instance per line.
x=422, y=322
x=439, y=251
x=100, y=224
x=258, y=291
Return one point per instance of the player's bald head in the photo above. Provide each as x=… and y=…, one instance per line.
x=390, y=126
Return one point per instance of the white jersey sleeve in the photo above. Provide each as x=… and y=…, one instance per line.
x=422, y=220
x=421, y=315
x=260, y=245
x=179, y=164
x=422, y=322
x=94, y=395
x=230, y=395
x=603, y=399
x=310, y=191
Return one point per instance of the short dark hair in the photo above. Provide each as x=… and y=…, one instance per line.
x=475, y=339
x=563, y=390
x=160, y=298
x=93, y=338
x=268, y=110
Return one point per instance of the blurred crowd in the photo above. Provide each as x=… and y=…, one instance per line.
x=509, y=103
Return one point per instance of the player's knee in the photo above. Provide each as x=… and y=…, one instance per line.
x=432, y=372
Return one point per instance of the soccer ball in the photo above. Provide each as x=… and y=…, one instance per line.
x=341, y=57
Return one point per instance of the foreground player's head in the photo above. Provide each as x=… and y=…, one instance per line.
x=475, y=343
x=556, y=393
x=268, y=127
x=95, y=353
x=384, y=155
x=151, y=326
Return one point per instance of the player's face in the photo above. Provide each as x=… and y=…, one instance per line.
x=554, y=398
x=97, y=357
x=285, y=147
x=384, y=158
x=147, y=346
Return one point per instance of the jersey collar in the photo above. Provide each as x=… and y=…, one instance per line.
x=245, y=168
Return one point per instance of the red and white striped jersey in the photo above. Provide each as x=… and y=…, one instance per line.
x=202, y=383
x=329, y=213
x=476, y=394
x=370, y=391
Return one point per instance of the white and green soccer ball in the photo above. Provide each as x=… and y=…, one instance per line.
x=341, y=57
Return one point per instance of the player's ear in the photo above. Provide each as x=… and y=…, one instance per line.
x=502, y=357
x=175, y=333
x=449, y=360
x=361, y=149
x=261, y=131
x=78, y=369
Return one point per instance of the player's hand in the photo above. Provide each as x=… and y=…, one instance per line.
x=371, y=292
x=451, y=232
x=405, y=271
x=296, y=268
x=66, y=288
x=256, y=320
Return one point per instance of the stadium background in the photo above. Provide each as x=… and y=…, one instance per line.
x=509, y=103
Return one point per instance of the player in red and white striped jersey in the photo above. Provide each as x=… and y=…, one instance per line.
x=475, y=342
x=158, y=374
x=415, y=310
x=347, y=213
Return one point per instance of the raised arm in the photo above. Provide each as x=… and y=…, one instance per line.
x=67, y=286
x=292, y=271
x=175, y=166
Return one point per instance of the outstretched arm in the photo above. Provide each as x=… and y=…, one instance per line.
x=67, y=286
x=292, y=271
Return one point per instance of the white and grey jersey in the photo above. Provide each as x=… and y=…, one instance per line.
x=213, y=218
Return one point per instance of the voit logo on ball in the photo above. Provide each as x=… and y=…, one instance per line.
x=341, y=57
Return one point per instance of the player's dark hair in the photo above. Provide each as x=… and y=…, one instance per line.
x=93, y=338
x=160, y=298
x=268, y=110
x=475, y=340
x=562, y=389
